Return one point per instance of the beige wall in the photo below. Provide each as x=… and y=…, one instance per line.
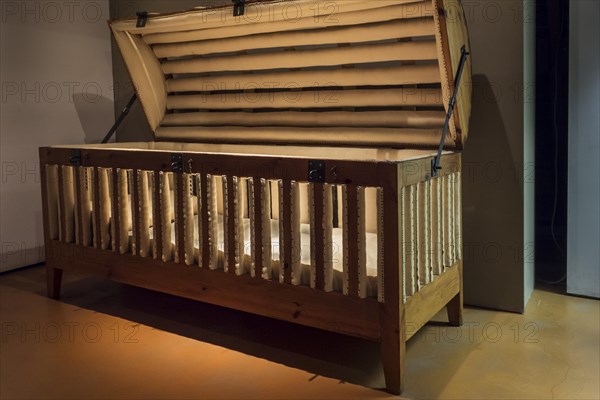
x=497, y=176
x=494, y=188
x=56, y=88
x=583, y=254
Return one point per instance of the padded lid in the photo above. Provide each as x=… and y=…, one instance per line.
x=344, y=72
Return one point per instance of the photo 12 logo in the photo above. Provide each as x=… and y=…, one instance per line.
x=320, y=12
x=67, y=332
x=50, y=92
x=52, y=12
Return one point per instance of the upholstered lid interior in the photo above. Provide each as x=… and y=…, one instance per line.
x=347, y=72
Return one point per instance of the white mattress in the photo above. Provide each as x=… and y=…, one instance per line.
x=337, y=257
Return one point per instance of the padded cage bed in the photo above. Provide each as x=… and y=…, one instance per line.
x=291, y=171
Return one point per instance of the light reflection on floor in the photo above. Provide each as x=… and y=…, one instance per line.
x=106, y=340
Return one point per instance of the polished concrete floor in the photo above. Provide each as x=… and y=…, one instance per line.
x=111, y=341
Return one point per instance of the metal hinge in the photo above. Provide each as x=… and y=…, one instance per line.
x=177, y=162
x=316, y=171
x=239, y=7
x=75, y=158
x=142, y=19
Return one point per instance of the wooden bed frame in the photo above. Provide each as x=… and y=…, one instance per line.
x=417, y=216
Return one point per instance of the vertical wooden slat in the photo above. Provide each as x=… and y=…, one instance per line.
x=424, y=267
x=257, y=226
x=446, y=204
x=51, y=204
x=180, y=217
x=458, y=216
x=417, y=237
x=362, y=242
x=136, y=208
x=409, y=240
x=317, y=236
x=351, y=222
x=86, y=209
x=156, y=219
x=78, y=207
x=70, y=205
x=381, y=247
x=427, y=234
x=443, y=212
x=105, y=208
x=452, y=219
x=296, y=237
x=115, y=214
x=452, y=228
x=343, y=221
x=61, y=204
x=97, y=209
x=53, y=275
x=405, y=234
x=46, y=204
x=330, y=250
x=436, y=223
x=230, y=243
x=440, y=225
x=285, y=234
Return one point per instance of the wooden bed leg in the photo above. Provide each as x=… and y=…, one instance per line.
x=53, y=280
x=393, y=348
x=455, y=306
x=455, y=310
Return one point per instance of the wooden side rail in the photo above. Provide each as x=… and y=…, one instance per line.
x=140, y=206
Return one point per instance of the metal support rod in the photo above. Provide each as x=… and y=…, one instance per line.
x=120, y=119
x=435, y=164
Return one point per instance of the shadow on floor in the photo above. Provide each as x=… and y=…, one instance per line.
x=319, y=352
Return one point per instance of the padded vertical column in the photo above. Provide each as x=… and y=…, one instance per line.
x=145, y=213
x=423, y=234
x=157, y=226
x=458, y=215
x=267, y=268
x=435, y=233
x=124, y=210
x=409, y=239
x=84, y=206
x=233, y=225
x=166, y=217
